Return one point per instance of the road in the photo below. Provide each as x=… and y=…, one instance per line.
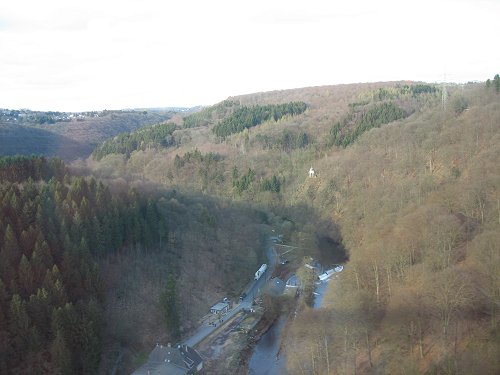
x=252, y=291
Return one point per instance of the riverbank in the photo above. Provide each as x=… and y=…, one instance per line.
x=261, y=329
x=230, y=349
x=251, y=342
x=269, y=355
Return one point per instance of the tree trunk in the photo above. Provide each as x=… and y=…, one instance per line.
x=368, y=347
x=357, y=277
x=377, y=281
x=498, y=209
x=389, y=281
x=345, y=348
x=312, y=361
x=410, y=338
x=420, y=339
x=327, y=358
x=446, y=323
x=354, y=358
x=455, y=347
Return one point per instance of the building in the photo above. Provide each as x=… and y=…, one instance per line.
x=220, y=308
x=312, y=172
x=168, y=360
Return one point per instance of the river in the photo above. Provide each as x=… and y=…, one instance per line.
x=266, y=359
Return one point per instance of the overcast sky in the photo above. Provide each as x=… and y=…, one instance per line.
x=72, y=55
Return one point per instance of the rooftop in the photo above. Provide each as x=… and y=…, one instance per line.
x=220, y=306
x=167, y=360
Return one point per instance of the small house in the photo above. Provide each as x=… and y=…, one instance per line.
x=220, y=308
x=168, y=360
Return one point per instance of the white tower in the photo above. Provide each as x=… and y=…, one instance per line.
x=311, y=172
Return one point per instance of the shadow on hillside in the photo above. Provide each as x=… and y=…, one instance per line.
x=331, y=250
x=24, y=140
x=325, y=235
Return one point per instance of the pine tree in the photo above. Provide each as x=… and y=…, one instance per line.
x=168, y=302
x=19, y=324
x=26, y=277
x=60, y=355
x=39, y=310
x=9, y=254
x=3, y=305
x=97, y=245
x=5, y=351
x=27, y=241
x=90, y=338
x=151, y=223
x=43, y=250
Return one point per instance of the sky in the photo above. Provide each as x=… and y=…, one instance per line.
x=74, y=55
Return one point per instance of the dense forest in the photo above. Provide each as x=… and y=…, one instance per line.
x=148, y=137
x=53, y=228
x=379, y=114
x=77, y=257
x=210, y=115
x=247, y=117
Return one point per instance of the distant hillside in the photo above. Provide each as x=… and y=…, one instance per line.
x=93, y=130
x=153, y=136
x=228, y=117
x=82, y=130
x=24, y=140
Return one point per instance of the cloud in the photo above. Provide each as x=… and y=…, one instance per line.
x=95, y=54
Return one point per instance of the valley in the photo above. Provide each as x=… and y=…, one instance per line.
x=68, y=135
x=165, y=215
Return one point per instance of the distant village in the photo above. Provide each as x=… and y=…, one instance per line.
x=28, y=117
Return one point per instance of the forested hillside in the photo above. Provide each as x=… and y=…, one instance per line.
x=409, y=174
x=53, y=228
x=418, y=204
x=24, y=140
x=232, y=118
x=154, y=136
x=65, y=242
x=248, y=117
x=67, y=135
x=210, y=115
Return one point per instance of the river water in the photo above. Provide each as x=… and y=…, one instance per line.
x=266, y=358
